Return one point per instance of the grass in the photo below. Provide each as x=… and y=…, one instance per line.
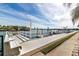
x=56, y=43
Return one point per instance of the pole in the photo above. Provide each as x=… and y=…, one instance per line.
x=30, y=27
x=18, y=30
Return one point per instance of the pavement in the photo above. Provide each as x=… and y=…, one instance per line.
x=65, y=49
x=33, y=46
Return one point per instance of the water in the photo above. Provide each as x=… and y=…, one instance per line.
x=38, y=33
x=34, y=33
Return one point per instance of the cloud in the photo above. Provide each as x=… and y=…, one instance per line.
x=57, y=14
x=11, y=21
x=41, y=14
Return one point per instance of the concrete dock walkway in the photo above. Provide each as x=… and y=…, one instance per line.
x=30, y=47
x=65, y=49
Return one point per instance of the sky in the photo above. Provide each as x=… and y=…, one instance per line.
x=42, y=15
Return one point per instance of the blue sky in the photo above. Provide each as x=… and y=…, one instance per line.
x=42, y=15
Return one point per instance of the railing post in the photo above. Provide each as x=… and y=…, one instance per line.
x=30, y=27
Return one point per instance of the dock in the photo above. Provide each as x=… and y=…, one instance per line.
x=30, y=47
x=67, y=48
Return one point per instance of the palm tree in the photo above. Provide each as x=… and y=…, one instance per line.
x=75, y=14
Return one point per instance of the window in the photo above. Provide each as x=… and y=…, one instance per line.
x=1, y=45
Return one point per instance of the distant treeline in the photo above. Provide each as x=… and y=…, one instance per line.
x=14, y=28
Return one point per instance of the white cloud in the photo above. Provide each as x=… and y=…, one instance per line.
x=58, y=13
x=11, y=21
